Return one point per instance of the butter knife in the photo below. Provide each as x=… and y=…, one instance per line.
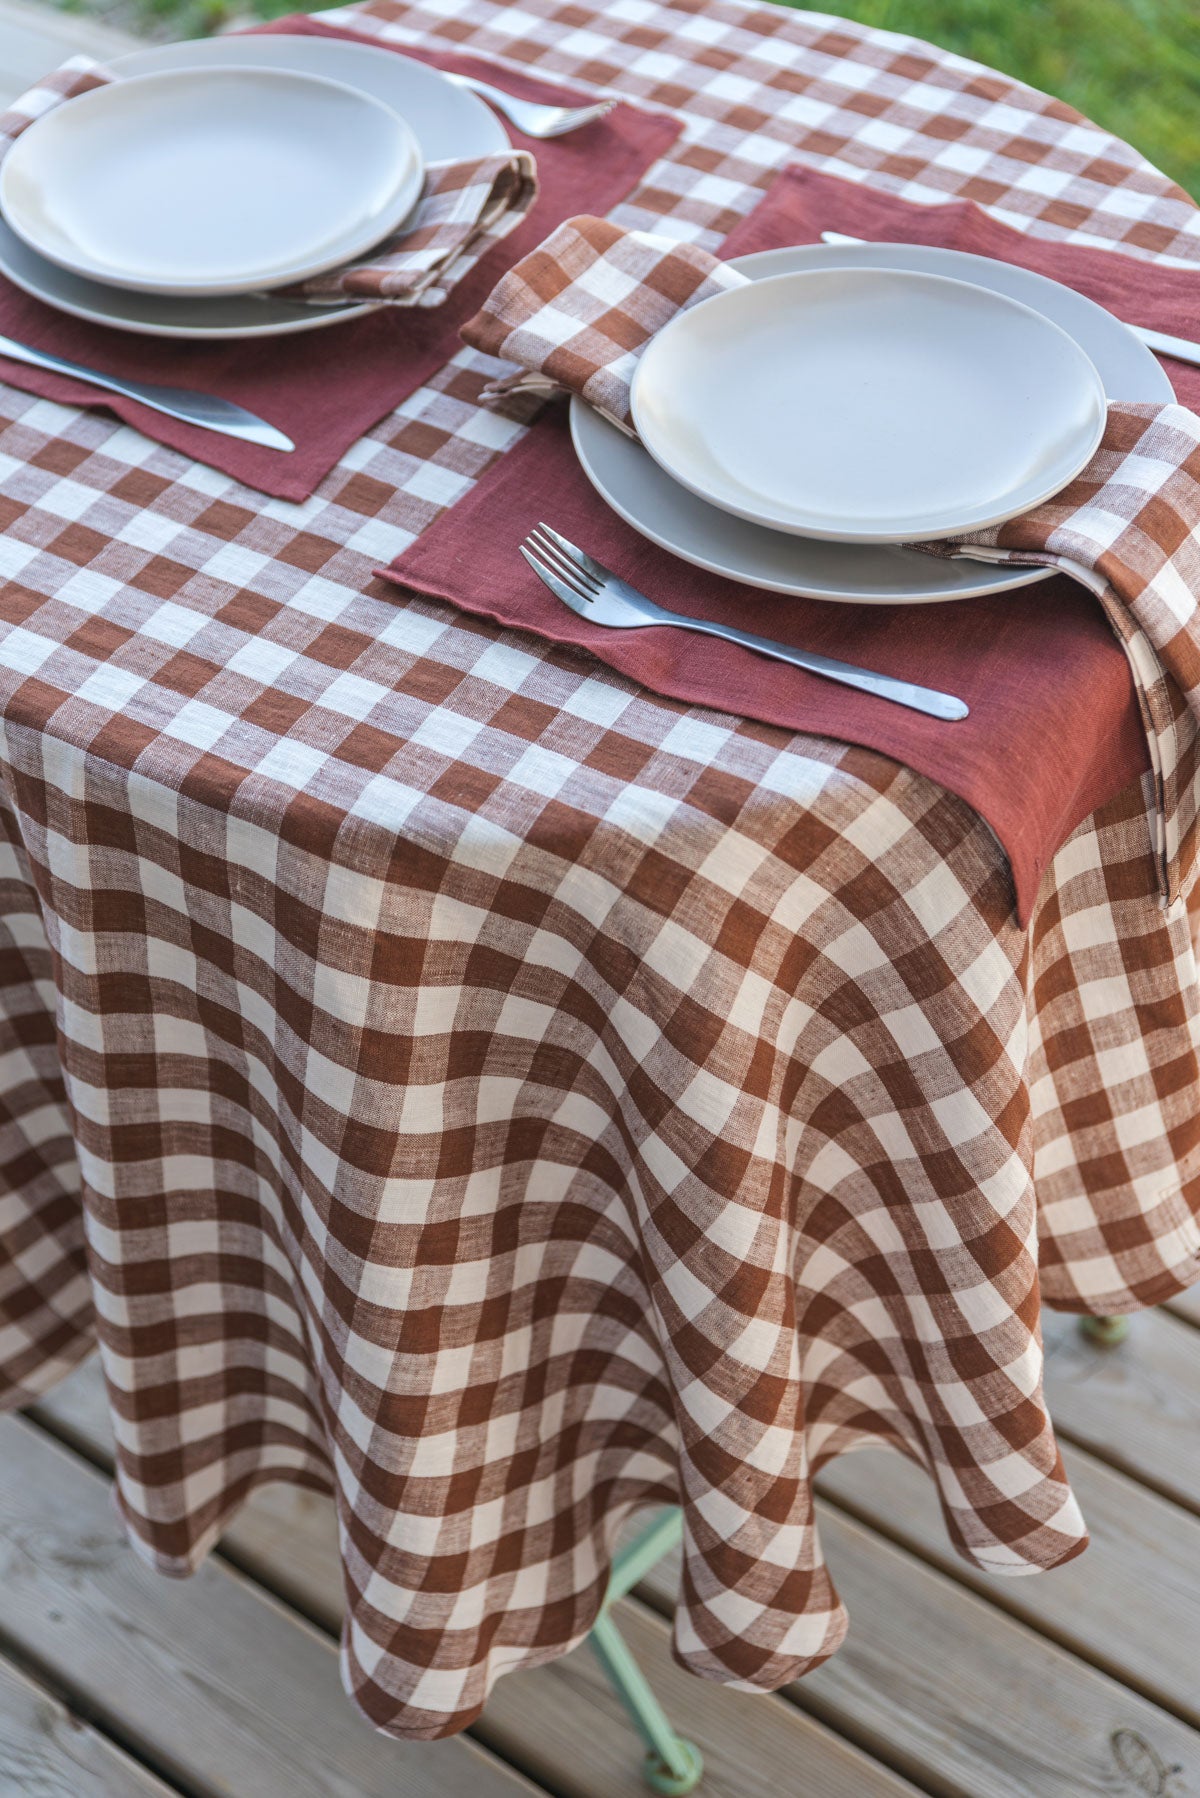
x=1181, y=348
x=204, y=410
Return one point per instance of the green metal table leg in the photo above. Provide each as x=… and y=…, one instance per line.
x=634, y=1561
x=673, y=1765
x=1105, y=1332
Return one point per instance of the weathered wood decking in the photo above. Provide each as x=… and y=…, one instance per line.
x=116, y=1683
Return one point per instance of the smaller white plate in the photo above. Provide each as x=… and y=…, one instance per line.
x=210, y=182
x=868, y=405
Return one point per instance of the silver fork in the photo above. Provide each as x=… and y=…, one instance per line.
x=534, y=120
x=597, y=594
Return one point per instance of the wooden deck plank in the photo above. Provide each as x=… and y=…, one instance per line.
x=1187, y=1305
x=966, y=1700
x=566, y=1725
x=1136, y=1406
x=46, y=1752
x=988, y=1709
x=1131, y=1604
x=979, y=1714
x=209, y=1680
x=560, y=1723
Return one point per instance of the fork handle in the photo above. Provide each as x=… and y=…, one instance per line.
x=883, y=686
x=474, y=85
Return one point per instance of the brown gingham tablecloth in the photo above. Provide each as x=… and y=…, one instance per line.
x=438, y=1071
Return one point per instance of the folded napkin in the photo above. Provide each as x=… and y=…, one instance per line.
x=1037, y=754
x=804, y=203
x=78, y=75
x=1128, y=529
x=579, y=311
x=465, y=208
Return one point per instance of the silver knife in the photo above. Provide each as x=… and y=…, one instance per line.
x=204, y=410
x=1181, y=348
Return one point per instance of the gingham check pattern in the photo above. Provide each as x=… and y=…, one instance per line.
x=506, y=1097
x=576, y=316
x=1128, y=528
x=577, y=313
x=465, y=208
x=79, y=75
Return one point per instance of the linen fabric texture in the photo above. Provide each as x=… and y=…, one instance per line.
x=329, y=396
x=465, y=208
x=1128, y=529
x=439, y=1071
x=578, y=312
x=1003, y=655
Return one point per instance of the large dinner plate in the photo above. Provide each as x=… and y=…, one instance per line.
x=643, y=494
x=211, y=181
x=868, y=405
x=446, y=121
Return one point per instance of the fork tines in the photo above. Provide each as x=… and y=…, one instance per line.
x=561, y=566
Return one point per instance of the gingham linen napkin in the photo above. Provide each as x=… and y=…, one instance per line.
x=578, y=311
x=1128, y=528
x=465, y=208
x=77, y=76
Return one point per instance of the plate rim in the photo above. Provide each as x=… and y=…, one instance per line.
x=801, y=524
x=992, y=578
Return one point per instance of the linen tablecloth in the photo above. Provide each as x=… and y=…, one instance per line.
x=437, y=1071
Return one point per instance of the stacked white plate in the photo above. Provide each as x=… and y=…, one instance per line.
x=177, y=200
x=798, y=432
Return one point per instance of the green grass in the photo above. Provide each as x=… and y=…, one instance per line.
x=1132, y=65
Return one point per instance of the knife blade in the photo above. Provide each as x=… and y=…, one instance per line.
x=207, y=411
x=1181, y=348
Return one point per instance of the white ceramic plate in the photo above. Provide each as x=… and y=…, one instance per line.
x=646, y=497
x=445, y=120
x=211, y=181
x=865, y=405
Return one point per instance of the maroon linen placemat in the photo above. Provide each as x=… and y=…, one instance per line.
x=1054, y=729
x=326, y=389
